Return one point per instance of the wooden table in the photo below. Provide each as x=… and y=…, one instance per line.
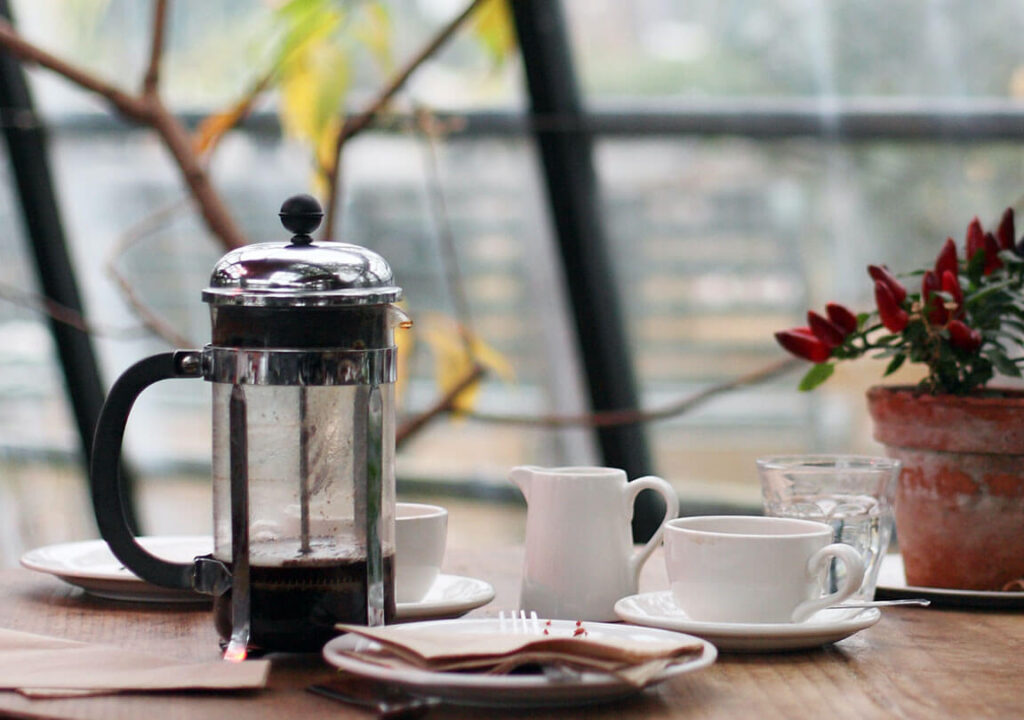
x=915, y=663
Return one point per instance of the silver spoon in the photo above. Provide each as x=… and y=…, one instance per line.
x=884, y=603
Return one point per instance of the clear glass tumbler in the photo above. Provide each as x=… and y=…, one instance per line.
x=852, y=493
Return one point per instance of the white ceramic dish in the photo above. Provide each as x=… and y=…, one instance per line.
x=450, y=596
x=91, y=566
x=892, y=583
x=658, y=609
x=527, y=690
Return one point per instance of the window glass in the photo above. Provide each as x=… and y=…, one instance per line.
x=723, y=237
x=717, y=239
x=720, y=242
x=671, y=49
x=123, y=209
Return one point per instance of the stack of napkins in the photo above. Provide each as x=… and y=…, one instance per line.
x=41, y=666
x=436, y=650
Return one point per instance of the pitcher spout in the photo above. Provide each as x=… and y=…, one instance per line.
x=522, y=478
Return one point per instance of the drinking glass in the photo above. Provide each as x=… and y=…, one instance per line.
x=851, y=493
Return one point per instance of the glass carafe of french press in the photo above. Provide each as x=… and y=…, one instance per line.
x=302, y=366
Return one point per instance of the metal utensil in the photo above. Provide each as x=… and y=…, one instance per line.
x=884, y=603
x=524, y=624
x=388, y=702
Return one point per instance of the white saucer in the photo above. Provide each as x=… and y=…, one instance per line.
x=517, y=690
x=91, y=566
x=451, y=596
x=892, y=583
x=658, y=609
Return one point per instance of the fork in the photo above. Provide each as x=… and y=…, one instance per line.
x=522, y=624
x=519, y=623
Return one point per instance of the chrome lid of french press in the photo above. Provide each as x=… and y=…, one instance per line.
x=301, y=272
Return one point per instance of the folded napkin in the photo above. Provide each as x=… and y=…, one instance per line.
x=437, y=650
x=41, y=666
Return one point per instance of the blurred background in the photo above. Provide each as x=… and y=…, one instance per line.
x=751, y=158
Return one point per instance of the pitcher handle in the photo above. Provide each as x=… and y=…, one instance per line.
x=105, y=478
x=661, y=487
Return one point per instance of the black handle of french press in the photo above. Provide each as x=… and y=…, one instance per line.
x=105, y=477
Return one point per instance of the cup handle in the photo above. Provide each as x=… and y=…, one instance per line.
x=671, y=510
x=816, y=565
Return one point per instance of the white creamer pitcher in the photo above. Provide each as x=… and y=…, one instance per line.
x=580, y=557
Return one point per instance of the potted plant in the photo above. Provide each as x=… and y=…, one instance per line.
x=960, y=501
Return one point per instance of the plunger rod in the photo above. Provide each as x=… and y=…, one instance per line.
x=304, y=433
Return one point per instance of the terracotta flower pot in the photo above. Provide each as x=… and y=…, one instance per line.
x=960, y=500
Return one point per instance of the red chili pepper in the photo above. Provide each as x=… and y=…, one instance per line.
x=1005, y=233
x=947, y=259
x=894, y=317
x=992, y=261
x=802, y=343
x=975, y=238
x=842, y=317
x=930, y=284
x=963, y=337
x=879, y=273
x=951, y=285
x=825, y=330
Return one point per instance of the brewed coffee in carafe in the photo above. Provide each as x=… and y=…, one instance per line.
x=302, y=364
x=308, y=507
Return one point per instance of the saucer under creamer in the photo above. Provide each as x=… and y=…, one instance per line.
x=658, y=609
x=450, y=596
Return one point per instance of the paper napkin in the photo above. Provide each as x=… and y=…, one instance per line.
x=435, y=650
x=42, y=666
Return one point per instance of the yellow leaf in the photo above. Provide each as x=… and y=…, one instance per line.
x=314, y=76
x=298, y=91
x=454, y=361
x=214, y=126
x=312, y=87
x=492, y=26
x=375, y=31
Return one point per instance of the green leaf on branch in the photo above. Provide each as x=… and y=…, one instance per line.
x=816, y=376
x=895, y=364
x=1002, y=363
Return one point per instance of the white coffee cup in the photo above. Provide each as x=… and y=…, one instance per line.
x=420, y=535
x=753, y=569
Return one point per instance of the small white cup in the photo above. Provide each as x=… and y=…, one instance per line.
x=420, y=535
x=753, y=569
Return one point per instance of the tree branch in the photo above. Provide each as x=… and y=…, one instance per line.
x=134, y=234
x=354, y=125
x=150, y=111
x=446, y=238
x=215, y=213
x=444, y=404
x=65, y=315
x=130, y=107
x=632, y=417
x=152, y=78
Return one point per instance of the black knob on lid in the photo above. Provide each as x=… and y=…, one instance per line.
x=301, y=214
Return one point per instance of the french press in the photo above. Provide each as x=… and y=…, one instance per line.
x=302, y=366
